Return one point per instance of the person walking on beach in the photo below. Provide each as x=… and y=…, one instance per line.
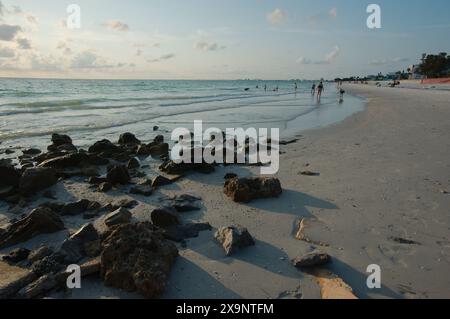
x=296, y=87
x=313, y=89
x=341, y=95
x=265, y=87
x=319, y=90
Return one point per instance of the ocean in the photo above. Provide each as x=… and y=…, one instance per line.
x=89, y=110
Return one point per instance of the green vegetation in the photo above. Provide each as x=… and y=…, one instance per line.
x=435, y=66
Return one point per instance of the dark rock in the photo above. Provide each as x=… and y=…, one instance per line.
x=16, y=255
x=160, y=181
x=159, y=139
x=128, y=139
x=73, y=248
x=39, y=287
x=75, y=208
x=49, y=265
x=32, y=151
x=230, y=176
x=309, y=173
x=155, y=128
x=311, y=260
x=66, y=148
x=159, y=150
x=105, y=187
x=48, y=194
x=233, y=238
x=12, y=279
x=7, y=191
x=39, y=254
x=69, y=160
x=165, y=217
x=90, y=171
x=172, y=168
x=58, y=139
x=404, y=241
x=97, y=180
x=185, y=203
x=248, y=189
x=117, y=217
x=118, y=174
x=103, y=146
x=125, y=203
x=37, y=179
x=143, y=150
x=179, y=233
x=40, y=221
x=9, y=176
x=136, y=257
x=133, y=163
x=142, y=189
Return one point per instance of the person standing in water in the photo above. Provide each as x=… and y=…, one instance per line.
x=296, y=87
x=313, y=89
x=319, y=90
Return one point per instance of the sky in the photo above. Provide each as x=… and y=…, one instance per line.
x=217, y=39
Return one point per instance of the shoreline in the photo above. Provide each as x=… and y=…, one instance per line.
x=380, y=171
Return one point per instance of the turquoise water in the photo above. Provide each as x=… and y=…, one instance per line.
x=88, y=110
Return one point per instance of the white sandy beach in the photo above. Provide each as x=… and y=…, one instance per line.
x=383, y=173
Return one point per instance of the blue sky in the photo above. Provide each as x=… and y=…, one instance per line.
x=212, y=39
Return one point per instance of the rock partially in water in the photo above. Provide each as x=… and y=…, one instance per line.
x=133, y=163
x=136, y=257
x=103, y=146
x=41, y=220
x=248, y=189
x=233, y=238
x=128, y=139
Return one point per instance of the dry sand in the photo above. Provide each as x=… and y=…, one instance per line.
x=382, y=173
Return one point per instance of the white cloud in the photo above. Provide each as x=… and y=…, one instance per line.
x=2, y=9
x=88, y=60
x=208, y=46
x=116, y=25
x=9, y=32
x=64, y=48
x=162, y=58
x=332, y=55
x=7, y=53
x=333, y=13
x=24, y=43
x=32, y=19
x=45, y=64
x=276, y=17
x=167, y=56
x=329, y=58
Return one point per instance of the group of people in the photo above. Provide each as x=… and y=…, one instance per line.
x=319, y=88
